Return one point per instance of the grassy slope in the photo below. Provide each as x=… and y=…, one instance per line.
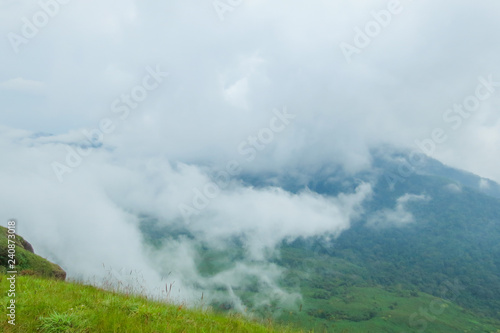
x=44, y=303
x=27, y=263
x=49, y=305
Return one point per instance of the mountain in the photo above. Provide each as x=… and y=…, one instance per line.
x=423, y=255
x=432, y=228
x=452, y=232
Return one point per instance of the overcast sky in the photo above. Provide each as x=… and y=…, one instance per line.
x=322, y=82
x=227, y=75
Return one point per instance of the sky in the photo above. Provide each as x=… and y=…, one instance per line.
x=114, y=108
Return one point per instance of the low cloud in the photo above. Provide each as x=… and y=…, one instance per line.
x=90, y=223
x=397, y=217
x=23, y=85
x=453, y=188
x=484, y=184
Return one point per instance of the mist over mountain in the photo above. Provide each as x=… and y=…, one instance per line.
x=427, y=229
x=269, y=156
x=417, y=230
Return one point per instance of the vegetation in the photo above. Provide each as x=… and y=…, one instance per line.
x=339, y=297
x=455, y=237
x=49, y=306
x=27, y=262
x=45, y=303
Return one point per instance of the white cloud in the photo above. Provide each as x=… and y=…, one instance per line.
x=397, y=217
x=236, y=93
x=484, y=184
x=267, y=216
x=293, y=60
x=454, y=188
x=24, y=85
x=88, y=224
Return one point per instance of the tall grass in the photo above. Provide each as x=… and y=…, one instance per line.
x=49, y=306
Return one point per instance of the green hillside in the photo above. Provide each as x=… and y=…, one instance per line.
x=27, y=262
x=49, y=305
x=338, y=296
